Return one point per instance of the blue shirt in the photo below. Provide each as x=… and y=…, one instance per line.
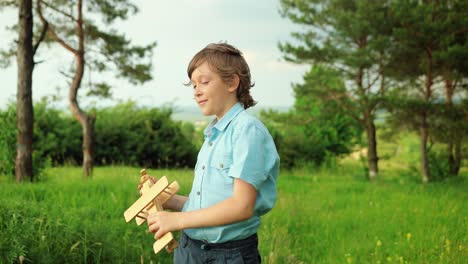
x=237, y=146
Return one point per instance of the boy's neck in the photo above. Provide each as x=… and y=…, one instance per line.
x=229, y=106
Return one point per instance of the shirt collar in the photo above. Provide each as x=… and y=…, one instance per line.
x=225, y=120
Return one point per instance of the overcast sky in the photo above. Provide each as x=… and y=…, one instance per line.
x=181, y=28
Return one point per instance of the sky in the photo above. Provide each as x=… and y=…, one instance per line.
x=181, y=28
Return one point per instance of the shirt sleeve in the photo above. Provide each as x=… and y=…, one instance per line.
x=249, y=155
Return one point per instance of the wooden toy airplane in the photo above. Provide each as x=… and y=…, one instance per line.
x=153, y=196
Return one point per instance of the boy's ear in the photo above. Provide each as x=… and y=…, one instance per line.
x=234, y=84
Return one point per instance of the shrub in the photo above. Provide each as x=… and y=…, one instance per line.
x=8, y=140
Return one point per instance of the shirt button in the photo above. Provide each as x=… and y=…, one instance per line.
x=203, y=167
x=210, y=144
x=198, y=193
x=221, y=165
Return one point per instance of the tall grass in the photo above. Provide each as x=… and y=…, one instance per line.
x=321, y=216
x=336, y=216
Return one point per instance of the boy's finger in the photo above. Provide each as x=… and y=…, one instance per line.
x=158, y=234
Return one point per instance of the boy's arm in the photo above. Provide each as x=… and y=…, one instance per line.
x=176, y=202
x=240, y=206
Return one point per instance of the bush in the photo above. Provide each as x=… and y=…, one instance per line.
x=302, y=143
x=124, y=134
x=8, y=133
x=148, y=137
x=57, y=136
x=8, y=140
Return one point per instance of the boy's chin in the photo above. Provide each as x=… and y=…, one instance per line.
x=205, y=112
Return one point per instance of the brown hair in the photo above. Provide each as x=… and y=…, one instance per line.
x=227, y=61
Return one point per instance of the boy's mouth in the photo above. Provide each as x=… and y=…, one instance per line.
x=202, y=102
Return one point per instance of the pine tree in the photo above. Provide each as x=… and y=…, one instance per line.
x=25, y=50
x=352, y=38
x=430, y=48
x=70, y=24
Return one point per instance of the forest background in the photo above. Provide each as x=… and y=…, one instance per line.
x=373, y=149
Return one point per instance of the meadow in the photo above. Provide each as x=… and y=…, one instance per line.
x=328, y=215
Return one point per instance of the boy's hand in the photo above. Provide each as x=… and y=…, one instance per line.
x=162, y=222
x=145, y=178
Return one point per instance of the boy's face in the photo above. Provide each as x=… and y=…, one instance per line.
x=212, y=94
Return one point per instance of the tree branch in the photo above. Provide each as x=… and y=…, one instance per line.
x=66, y=74
x=373, y=81
x=51, y=30
x=336, y=98
x=41, y=38
x=7, y=3
x=60, y=11
x=79, y=27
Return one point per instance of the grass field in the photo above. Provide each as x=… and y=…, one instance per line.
x=322, y=216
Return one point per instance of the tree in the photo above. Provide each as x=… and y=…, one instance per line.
x=454, y=72
x=25, y=117
x=96, y=50
x=350, y=37
x=427, y=36
x=25, y=51
x=315, y=130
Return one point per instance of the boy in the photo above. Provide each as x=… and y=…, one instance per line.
x=236, y=170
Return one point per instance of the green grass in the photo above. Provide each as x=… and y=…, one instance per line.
x=336, y=216
x=322, y=216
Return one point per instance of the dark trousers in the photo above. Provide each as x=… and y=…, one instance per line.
x=231, y=252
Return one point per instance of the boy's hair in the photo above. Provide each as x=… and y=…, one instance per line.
x=226, y=60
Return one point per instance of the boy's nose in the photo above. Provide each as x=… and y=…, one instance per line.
x=197, y=92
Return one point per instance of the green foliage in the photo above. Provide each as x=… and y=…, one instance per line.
x=8, y=133
x=131, y=62
x=106, y=50
x=429, y=58
x=8, y=53
x=5, y=57
x=447, y=124
x=327, y=119
x=317, y=129
x=429, y=39
x=8, y=140
x=438, y=165
x=347, y=44
x=125, y=134
x=393, y=52
x=56, y=135
x=347, y=35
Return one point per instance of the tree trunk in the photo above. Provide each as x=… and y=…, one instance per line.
x=450, y=156
x=86, y=121
x=424, y=158
x=88, y=145
x=453, y=140
x=458, y=157
x=368, y=123
x=24, y=107
x=424, y=127
x=372, y=157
